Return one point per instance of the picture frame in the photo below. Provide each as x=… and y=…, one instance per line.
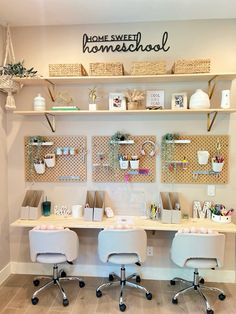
x=117, y=101
x=179, y=101
x=155, y=99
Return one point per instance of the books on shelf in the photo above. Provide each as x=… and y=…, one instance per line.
x=65, y=108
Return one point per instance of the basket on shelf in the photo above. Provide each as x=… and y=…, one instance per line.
x=191, y=66
x=67, y=69
x=148, y=68
x=106, y=69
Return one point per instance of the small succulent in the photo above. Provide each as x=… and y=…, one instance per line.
x=17, y=69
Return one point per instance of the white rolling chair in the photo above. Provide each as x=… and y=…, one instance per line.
x=198, y=250
x=54, y=247
x=127, y=246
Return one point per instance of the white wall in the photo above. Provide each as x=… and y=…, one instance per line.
x=4, y=216
x=39, y=46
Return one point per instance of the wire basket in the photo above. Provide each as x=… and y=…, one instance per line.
x=148, y=68
x=191, y=66
x=73, y=69
x=106, y=69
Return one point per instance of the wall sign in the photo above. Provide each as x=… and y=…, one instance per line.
x=122, y=43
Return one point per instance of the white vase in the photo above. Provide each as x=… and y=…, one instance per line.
x=199, y=100
x=225, y=99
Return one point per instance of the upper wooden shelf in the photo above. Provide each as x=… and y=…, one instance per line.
x=98, y=112
x=126, y=79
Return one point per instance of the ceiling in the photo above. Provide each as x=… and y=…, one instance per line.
x=70, y=12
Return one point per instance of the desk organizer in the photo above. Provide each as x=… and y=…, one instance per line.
x=68, y=162
x=221, y=219
x=172, y=171
x=170, y=208
x=105, y=162
x=31, y=206
x=94, y=206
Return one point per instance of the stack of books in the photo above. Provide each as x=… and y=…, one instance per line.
x=65, y=108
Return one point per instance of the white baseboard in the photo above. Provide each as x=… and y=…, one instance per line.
x=5, y=272
x=153, y=273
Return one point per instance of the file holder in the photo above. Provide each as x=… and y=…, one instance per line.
x=170, y=208
x=89, y=205
x=99, y=205
x=166, y=209
x=31, y=206
x=176, y=209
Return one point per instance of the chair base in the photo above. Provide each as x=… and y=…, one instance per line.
x=57, y=277
x=198, y=287
x=122, y=281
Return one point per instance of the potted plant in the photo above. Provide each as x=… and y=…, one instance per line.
x=115, y=141
x=134, y=98
x=34, y=146
x=168, y=149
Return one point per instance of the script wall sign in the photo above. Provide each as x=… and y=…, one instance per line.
x=122, y=43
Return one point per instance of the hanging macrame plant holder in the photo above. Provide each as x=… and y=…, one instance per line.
x=7, y=84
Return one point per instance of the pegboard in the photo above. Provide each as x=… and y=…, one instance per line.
x=187, y=172
x=105, y=164
x=67, y=167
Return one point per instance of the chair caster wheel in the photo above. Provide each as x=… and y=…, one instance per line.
x=122, y=307
x=202, y=281
x=36, y=282
x=111, y=277
x=175, y=301
x=172, y=282
x=81, y=284
x=138, y=279
x=98, y=293
x=65, y=302
x=149, y=296
x=34, y=300
x=62, y=273
x=210, y=312
x=221, y=296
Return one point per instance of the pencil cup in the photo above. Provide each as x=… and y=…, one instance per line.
x=217, y=166
x=221, y=219
x=124, y=164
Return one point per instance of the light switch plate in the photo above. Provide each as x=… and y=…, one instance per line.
x=211, y=190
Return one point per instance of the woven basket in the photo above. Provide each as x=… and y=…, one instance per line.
x=8, y=84
x=191, y=66
x=73, y=69
x=106, y=69
x=148, y=68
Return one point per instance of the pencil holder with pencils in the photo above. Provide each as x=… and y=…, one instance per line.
x=221, y=214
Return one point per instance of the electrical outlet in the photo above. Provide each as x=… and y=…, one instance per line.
x=150, y=251
x=211, y=190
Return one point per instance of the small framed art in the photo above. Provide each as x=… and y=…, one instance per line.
x=155, y=99
x=179, y=101
x=117, y=101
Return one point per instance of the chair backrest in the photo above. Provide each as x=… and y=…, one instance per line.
x=126, y=241
x=186, y=246
x=63, y=241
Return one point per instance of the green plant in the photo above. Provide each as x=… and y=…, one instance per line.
x=34, y=145
x=18, y=70
x=114, y=145
x=168, y=149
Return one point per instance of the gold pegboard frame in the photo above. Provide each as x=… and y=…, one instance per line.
x=106, y=170
x=68, y=168
x=189, y=152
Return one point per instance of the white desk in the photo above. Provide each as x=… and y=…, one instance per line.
x=139, y=222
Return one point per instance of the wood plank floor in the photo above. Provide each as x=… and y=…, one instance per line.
x=16, y=291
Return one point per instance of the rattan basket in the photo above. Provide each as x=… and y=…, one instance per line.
x=106, y=69
x=73, y=69
x=148, y=68
x=8, y=84
x=191, y=66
